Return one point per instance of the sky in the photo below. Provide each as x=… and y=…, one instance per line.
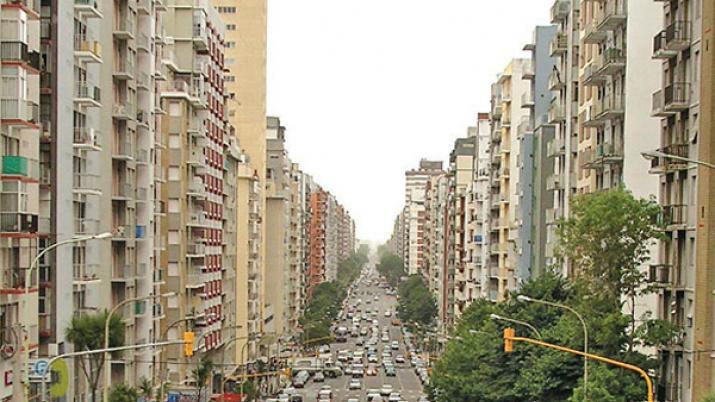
x=366, y=88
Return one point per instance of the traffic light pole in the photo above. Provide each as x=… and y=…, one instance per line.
x=509, y=338
x=43, y=392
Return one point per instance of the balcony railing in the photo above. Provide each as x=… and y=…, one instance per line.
x=18, y=52
x=560, y=10
x=614, y=14
x=21, y=110
x=559, y=44
x=14, y=165
x=86, y=138
x=671, y=99
x=92, y=49
x=676, y=214
x=85, y=182
x=85, y=92
x=662, y=165
x=673, y=39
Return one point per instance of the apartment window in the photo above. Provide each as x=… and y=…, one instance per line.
x=173, y=238
x=229, y=78
x=226, y=10
x=230, y=61
x=230, y=45
x=230, y=27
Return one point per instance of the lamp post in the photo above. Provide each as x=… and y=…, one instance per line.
x=25, y=355
x=533, y=329
x=107, y=365
x=524, y=298
x=659, y=154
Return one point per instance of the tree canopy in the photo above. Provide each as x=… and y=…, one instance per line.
x=392, y=268
x=416, y=304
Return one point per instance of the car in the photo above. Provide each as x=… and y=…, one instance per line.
x=385, y=338
x=399, y=359
x=319, y=377
x=388, y=313
x=396, y=322
x=353, y=400
x=376, y=298
x=390, y=371
x=354, y=384
x=386, y=389
x=394, y=345
x=360, y=341
x=394, y=397
x=371, y=370
x=372, y=358
x=374, y=397
x=386, y=355
x=358, y=372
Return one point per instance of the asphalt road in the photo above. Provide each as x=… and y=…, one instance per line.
x=406, y=382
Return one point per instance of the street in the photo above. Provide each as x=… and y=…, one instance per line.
x=405, y=382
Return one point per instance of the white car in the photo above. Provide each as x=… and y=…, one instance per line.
x=394, y=397
x=388, y=313
x=386, y=389
x=355, y=384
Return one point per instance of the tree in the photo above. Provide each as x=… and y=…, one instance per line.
x=202, y=373
x=86, y=332
x=606, y=239
x=251, y=391
x=123, y=393
x=417, y=304
x=145, y=388
x=392, y=268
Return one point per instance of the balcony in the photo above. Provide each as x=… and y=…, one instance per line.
x=123, y=149
x=87, y=95
x=87, y=50
x=143, y=43
x=144, y=7
x=121, y=232
x=199, y=31
x=122, y=272
x=124, y=110
x=604, y=154
x=13, y=222
x=665, y=276
x=663, y=165
x=85, y=226
x=527, y=99
x=672, y=99
x=555, y=148
x=19, y=111
x=614, y=61
x=672, y=40
x=496, y=110
x=143, y=81
x=195, y=250
x=13, y=165
x=675, y=216
x=560, y=11
x=556, y=113
x=124, y=68
x=86, y=184
x=556, y=82
x=525, y=127
x=527, y=72
x=124, y=28
x=559, y=44
x=592, y=34
x=86, y=139
x=614, y=15
x=553, y=182
x=16, y=52
x=87, y=8
x=609, y=107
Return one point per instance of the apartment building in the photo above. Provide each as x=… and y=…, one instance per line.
x=245, y=46
x=461, y=165
x=415, y=182
x=20, y=233
x=195, y=128
x=563, y=114
x=436, y=238
x=538, y=144
x=477, y=210
x=682, y=106
x=506, y=210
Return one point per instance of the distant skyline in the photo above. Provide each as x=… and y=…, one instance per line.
x=367, y=88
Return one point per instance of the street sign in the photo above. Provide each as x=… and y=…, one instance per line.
x=40, y=367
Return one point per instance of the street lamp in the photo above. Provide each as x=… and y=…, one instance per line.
x=524, y=298
x=107, y=365
x=28, y=279
x=497, y=317
x=659, y=154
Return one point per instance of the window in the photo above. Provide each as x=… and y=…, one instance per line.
x=226, y=10
x=230, y=27
x=230, y=61
x=230, y=45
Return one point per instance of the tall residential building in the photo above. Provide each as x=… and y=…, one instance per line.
x=415, y=182
x=21, y=234
x=506, y=206
x=537, y=138
x=563, y=113
x=461, y=165
x=195, y=128
x=246, y=53
x=478, y=210
x=436, y=236
x=683, y=103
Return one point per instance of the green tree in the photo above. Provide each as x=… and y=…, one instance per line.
x=606, y=239
x=145, y=388
x=610, y=384
x=123, y=393
x=251, y=391
x=202, y=373
x=709, y=398
x=86, y=332
x=392, y=268
x=416, y=304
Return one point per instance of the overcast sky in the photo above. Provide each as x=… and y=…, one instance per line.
x=366, y=88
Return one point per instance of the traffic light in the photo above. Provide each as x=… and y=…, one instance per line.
x=508, y=343
x=188, y=344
